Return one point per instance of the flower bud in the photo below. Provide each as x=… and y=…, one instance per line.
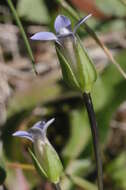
x=45, y=158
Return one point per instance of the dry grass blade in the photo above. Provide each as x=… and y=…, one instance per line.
x=22, y=166
x=106, y=50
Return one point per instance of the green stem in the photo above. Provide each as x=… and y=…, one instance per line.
x=29, y=50
x=94, y=130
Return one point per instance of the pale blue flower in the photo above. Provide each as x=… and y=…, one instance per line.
x=78, y=70
x=63, y=29
x=45, y=158
x=37, y=131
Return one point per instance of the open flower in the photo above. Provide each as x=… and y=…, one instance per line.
x=45, y=154
x=37, y=131
x=78, y=70
x=63, y=29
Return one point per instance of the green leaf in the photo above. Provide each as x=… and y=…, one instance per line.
x=116, y=170
x=82, y=183
x=79, y=134
x=78, y=168
x=112, y=84
x=33, y=10
x=37, y=164
x=67, y=72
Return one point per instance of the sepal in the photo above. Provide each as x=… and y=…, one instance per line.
x=86, y=72
x=68, y=75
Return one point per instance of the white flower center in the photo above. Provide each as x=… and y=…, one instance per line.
x=64, y=31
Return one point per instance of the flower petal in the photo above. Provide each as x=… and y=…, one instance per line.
x=48, y=123
x=23, y=134
x=39, y=129
x=81, y=21
x=44, y=36
x=62, y=22
x=43, y=125
x=39, y=125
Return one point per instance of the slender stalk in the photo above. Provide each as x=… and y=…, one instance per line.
x=29, y=50
x=57, y=186
x=94, y=130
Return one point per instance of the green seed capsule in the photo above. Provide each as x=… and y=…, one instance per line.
x=48, y=159
x=80, y=77
x=86, y=72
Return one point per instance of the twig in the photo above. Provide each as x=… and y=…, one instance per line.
x=29, y=50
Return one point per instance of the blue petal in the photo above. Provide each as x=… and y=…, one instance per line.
x=39, y=125
x=62, y=22
x=43, y=125
x=23, y=134
x=48, y=123
x=81, y=21
x=44, y=36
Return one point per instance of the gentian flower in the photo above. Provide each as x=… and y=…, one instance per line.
x=46, y=156
x=63, y=29
x=80, y=73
